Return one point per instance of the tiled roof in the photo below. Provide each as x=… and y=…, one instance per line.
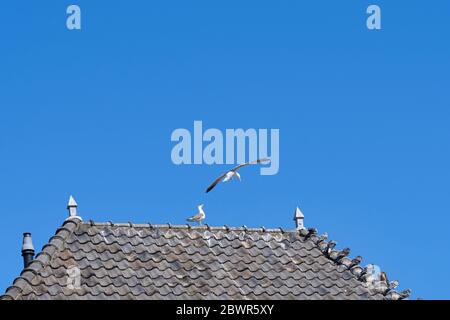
x=129, y=261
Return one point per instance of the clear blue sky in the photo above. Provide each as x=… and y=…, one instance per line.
x=363, y=118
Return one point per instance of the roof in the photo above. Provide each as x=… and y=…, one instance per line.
x=88, y=260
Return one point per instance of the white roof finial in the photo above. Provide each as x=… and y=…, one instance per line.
x=72, y=207
x=298, y=218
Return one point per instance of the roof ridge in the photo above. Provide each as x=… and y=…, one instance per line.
x=42, y=259
x=190, y=227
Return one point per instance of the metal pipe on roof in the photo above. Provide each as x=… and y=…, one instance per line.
x=27, y=249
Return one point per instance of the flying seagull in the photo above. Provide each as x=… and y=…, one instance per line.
x=198, y=217
x=227, y=176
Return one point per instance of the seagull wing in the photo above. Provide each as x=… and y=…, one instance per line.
x=216, y=182
x=195, y=217
x=250, y=163
x=235, y=169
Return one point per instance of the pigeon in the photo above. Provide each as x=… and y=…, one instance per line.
x=227, y=176
x=405, y=294
x=384, y=278
x=331, y=245
x=356, y=261
x=343, y=253
x=393, y=284
x=323, y=237
x=198, y=217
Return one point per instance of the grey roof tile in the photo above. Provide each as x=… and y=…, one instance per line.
x=127, y=261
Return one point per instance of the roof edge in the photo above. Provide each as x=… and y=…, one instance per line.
x=41, y=260
x=340, y=257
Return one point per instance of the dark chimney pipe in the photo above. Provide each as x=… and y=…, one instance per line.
x=27, y=249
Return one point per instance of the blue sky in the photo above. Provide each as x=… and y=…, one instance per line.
x=363, y=118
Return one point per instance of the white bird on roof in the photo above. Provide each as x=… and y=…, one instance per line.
x=199, y=216
x=227, y=176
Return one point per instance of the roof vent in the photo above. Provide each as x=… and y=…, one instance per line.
x=27, y=249
x=72, y=207
x=298, y=218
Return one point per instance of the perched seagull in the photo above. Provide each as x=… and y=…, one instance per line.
x=199, y=216
x=227, y=176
